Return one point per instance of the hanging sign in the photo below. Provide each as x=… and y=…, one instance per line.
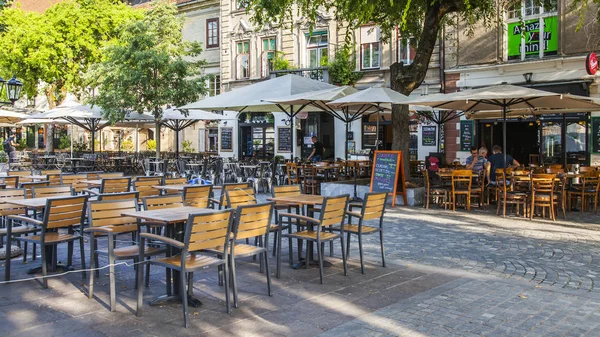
x=302, y=115
x=591, y=63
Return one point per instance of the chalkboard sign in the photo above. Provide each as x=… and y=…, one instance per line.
x=227, y=139
x=595, y=135
x=466, y=135
x=388, y=173
x=428, y=135
x=284, y=139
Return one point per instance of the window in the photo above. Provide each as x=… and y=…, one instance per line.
x=317, y=49
x=214, y=85
x=370, y=47
x=269, y=52
x=532, y=30
x=241, y=4
x=243, y=59
x=407, y=49
x=212, y=33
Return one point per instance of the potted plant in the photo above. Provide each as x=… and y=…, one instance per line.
x=3, y=161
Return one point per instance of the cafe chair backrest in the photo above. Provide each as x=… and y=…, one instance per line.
x=145, y=189
x=227, y=187
x=11, y=194
x=109, y=214
x=334, y=210
x=115, y=185
x=65, y=212
x=10, y=182
x=75, y=181
x=52, y=191
x=240, y=196
x=252, y=220
x=286, y=190
x=118, y=196
x=163, y=202
x=208, y=231
x=103, y=175
x=374, y=205
x=197, y=196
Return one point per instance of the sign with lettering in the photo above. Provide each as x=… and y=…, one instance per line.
x=227, y=139
x=284, y=139
x=466, y=135
x=388, y=173
x=591, y=63
x=530, y=36
x=596, y=134
x=428, y=135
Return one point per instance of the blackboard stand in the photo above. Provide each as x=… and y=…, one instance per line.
x=387, y=173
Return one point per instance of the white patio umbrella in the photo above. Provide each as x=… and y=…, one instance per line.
x=254, y=97
x=85, y=116
x=506, y=97
x=175, y=120
x=7, y=116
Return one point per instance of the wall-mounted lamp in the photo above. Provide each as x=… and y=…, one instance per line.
x=286, y=122
x=224, y=122
x=527, y=77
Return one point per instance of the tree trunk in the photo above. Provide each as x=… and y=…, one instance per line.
x=157, y=138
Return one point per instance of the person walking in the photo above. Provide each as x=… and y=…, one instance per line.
x=10, y=147
x=318, y=150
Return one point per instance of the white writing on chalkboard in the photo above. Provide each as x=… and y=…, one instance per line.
x=384, y=172
x=284, y=140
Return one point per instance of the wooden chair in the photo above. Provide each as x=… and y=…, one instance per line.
x=118, y=196
x=436, y=192
x=197, y=196
x=584, y=169
x=10, y=182
x=75, y=181
x=173, y=181
x=332, y=214
x=105, y=219
x=91, y=175
x=163, y=201
x=52, y=191
x=310, y=183
x=143, y=178
x=21, y=175
x=462, y=181
x=542, y=194
x=287, y=191
x=7, y=209
x=47, y=172
x=53, y=179
x=202, y=232
x=372, y=208
x=29, y=187
x=588, y=191
x=291, y=170
x=240, y=196
x=222, y=201
x=552, y=170
x=145, y=189
x=112, y=185
x=506, y=195
x=61, y=214
x=103, y=175
x=251, y=221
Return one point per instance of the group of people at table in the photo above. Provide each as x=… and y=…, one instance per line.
x=192, y=230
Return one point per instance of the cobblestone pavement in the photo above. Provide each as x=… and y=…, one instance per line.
x=449, y=274
x=564, y=253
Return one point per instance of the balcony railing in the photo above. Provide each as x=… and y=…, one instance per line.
x=319, y=74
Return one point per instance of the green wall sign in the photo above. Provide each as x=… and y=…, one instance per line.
x=531, y=31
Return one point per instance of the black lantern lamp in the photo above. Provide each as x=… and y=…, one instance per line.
x=13, y=89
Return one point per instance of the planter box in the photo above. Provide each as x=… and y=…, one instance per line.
x=414, y=196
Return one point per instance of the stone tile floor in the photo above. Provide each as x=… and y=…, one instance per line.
x=448, y=274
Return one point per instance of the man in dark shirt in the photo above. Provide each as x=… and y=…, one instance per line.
x=496, y=161
x=317, y=152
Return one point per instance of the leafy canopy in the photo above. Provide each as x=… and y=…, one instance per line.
x=52, y=51
x=150, y=67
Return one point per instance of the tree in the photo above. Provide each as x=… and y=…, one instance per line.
x=421, y=19
x=149, y=68
x=52, y=51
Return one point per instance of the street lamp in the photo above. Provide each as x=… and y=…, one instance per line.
x=13, y=89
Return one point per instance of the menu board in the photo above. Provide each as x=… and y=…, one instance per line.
x=227, y=139
x=596, y=134
x=388, y=173
x=467, y=135
x=428, y=135
x=284, y=139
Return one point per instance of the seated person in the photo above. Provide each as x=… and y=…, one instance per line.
x=496, y=161
x=476, y=161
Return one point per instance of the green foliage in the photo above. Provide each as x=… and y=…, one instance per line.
x=187, y=146
x=281, y=63
x=151, y=145
x=127, y=145
x=64, y=142
x=341, y=70
x=3, y=157
x=151, y=57
x=80, y=146
x=57, y=47
x=22, y=144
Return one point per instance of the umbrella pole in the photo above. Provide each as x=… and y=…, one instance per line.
x=292, y=133
x=71, y=140
x=177, y=143
x=93, y=130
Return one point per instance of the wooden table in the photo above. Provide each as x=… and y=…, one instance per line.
x=173, y=187
x=36, y=177
x=172, y=217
